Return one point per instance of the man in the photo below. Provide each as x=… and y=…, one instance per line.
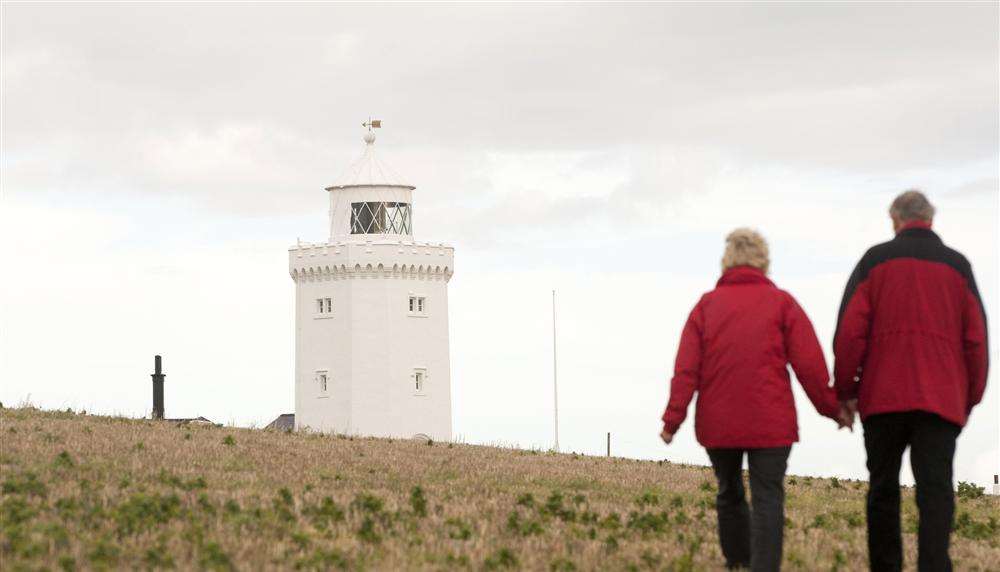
x=911, y=356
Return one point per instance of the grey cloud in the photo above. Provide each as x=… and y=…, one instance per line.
x=266, y=100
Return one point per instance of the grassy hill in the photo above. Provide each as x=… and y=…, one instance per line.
x=85, y=492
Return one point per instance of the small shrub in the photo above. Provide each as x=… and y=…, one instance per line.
x=25, y=484
x=820, y=521
x=212, y=557
x=418, y=502
x=651, y=560
x=300, y=539
x=970, y=491
x=142, y=512
x=611, y=522
x=228, y=441
x=648, y=498
x=502, y=558
x=368, y=503
x=968, y=527
x=67, y=563
x=839, y=561
x=367, y=532
x=231, y=507
x=649, y=523
x=458, y=529
x=104, y=554
x=64, y=461
x=526, y=500
x=325, y=514
x=323, y=560
x=158, y=557
x=562, y=565
x=284, y=497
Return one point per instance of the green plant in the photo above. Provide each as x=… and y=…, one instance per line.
x=562, y=565
x=503, y=558
x=648, y=498
x=418, y=502
x=368, y=503
x=367, y=532
x=969, y=491
x=458, y=529
x=968, y=527
x=212, y=557
x=24, y=484
x=63, y=461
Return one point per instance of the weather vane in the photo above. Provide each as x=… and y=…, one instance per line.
x=372, y=124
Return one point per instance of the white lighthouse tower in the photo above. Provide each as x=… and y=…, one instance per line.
x=371, y=314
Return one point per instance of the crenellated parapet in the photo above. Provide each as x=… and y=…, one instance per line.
x=364, y=260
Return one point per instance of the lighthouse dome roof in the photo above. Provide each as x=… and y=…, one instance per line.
x=369, y=171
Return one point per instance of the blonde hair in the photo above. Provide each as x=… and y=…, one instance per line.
x=746, y=247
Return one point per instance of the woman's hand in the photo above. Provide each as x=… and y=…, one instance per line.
x=848, y=409
x=667, y=437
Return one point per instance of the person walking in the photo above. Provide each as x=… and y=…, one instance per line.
x=734, y=353
x=910, y=354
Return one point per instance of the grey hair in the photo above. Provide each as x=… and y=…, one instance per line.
x=746, y=247
x=911, y=205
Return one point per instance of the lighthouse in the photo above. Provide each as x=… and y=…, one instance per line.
x=371, y=313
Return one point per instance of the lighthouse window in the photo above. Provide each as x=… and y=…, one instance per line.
x=419, y=379
x=418, y=306
x=381, y=218
x=324, y=307
x=322, y=380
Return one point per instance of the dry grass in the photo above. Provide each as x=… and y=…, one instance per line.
x=98, y=492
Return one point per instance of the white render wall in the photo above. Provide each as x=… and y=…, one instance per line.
x=372, y=344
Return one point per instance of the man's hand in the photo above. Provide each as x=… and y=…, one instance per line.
x=848, y=409
x=667, y=437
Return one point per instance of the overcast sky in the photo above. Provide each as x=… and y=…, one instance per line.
x=158, y=160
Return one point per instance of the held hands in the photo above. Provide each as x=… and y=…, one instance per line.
x=667, y=437
x=848, y=410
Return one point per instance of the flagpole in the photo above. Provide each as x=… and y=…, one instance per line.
x=555, y=373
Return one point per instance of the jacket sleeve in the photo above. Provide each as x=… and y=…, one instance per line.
x=850, y=341
x=807, y=360
x=687, y=371
x=975, y=343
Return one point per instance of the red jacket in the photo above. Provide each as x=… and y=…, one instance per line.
x=735, y=351
x=912, y=330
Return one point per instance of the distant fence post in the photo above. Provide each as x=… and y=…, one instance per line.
x=609, y=443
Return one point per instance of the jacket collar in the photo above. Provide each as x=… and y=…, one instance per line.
x=918, y=228
x=743, y=275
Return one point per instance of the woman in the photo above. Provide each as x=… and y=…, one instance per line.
x=734, y=351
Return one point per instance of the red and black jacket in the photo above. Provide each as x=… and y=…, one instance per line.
x=911, y=334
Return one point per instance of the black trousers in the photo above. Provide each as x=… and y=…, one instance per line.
x=932, y=449
x=747, y=541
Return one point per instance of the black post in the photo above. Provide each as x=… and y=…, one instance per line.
x=609, y=443
x=158, y=376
